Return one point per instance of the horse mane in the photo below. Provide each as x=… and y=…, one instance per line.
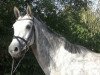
x=73, y=48
x=53, y=40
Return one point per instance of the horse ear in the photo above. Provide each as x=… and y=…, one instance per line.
x=16, y=12
x=29, y=11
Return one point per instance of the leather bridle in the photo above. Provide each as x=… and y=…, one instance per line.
x=18, y=38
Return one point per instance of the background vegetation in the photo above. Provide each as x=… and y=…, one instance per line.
x=73, y=19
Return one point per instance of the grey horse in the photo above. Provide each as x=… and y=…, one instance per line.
x=54, y=53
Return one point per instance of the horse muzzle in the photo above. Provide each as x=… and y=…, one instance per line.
x=15, y=50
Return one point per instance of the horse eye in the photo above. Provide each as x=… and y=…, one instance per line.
x=28, y=27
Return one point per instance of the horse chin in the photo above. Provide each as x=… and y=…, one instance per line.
x=18, y=55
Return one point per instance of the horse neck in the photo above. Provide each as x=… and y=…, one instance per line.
x=47, y=43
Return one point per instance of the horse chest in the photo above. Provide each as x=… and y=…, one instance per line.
x=64, y=62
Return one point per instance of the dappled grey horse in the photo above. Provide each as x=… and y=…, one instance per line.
x=54, y=53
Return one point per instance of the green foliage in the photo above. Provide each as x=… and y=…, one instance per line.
x=82, y=27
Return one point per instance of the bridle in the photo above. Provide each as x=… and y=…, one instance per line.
x=18, y=38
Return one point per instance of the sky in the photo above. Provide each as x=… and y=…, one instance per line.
x=94, y=5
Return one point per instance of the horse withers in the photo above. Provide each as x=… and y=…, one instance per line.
x=54, y=53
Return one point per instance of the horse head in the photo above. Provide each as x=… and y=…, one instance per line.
x=23, y=29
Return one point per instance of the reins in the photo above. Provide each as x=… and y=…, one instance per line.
x=13, y=69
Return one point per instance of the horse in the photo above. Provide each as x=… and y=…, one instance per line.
x=55, y=54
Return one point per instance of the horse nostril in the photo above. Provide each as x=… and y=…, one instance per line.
x=16, y=49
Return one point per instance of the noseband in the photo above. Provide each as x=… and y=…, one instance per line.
x=18, y=38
